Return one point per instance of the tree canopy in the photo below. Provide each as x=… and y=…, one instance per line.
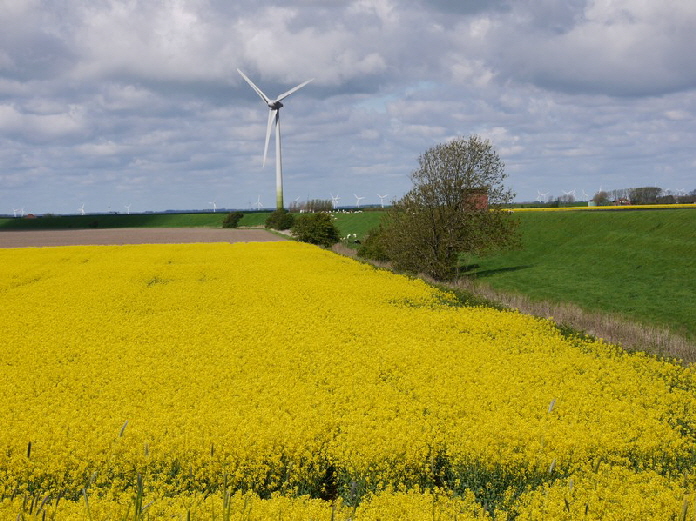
x=454, y=207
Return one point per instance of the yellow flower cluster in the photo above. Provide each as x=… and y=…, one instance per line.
x=198, y=378
x=413, y=505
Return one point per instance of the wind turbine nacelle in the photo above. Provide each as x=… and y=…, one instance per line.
x=275, y=105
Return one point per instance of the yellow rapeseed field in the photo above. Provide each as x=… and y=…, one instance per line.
x=281, y=381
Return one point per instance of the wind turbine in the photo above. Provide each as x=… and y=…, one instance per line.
x=127, y=207
x=334, y=200
x=358, y=199
x=14, y=212
x=274, y=119
x=541, y=197
x=214, y=205
x=82, y=209
x=381, y=199
x=259, y=205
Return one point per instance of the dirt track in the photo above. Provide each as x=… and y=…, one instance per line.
x=41, y=238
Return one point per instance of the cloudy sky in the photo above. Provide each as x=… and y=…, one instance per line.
x=138, y=102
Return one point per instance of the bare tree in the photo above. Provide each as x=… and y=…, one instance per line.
x=601, y=198
x=644, y=195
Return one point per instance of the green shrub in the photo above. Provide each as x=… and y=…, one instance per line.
x=316, y=228
x=372, y=246
x=280, y=219
x=232, y=220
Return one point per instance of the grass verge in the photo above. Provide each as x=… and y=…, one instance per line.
x=640, y=265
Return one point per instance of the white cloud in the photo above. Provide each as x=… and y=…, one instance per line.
x=625, y=47
x=40, y=127
x=678, y=115
x=142, y=97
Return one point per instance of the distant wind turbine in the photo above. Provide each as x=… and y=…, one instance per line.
x=214, y=205
x=259, y=204
x=274, y=118
x=14, y=212
x=82, y=209
x=381, y=199
x=127, y=207
x=358, y=199
x=541, y=197
x=334, y=201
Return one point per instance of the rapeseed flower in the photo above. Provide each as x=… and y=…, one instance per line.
x=281, y=376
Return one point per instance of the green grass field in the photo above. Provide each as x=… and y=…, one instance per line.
x=357, y=223
x=640, y=264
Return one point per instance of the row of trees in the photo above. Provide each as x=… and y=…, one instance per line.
x=312, y=206
x=644, y=195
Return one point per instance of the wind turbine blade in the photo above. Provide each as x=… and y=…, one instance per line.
x=258, y=91
x=272, y=116
x=294, y=89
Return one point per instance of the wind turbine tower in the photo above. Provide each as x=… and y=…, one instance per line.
x=382, y=198
x=358, y=199
x=274, y=119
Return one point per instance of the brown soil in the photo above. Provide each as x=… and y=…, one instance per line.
x=106, y=236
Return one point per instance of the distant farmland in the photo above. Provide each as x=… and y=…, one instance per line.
x=141, y=220
x=358, y=222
